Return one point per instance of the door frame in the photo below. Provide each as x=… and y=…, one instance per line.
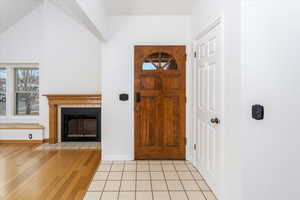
x=189, y=92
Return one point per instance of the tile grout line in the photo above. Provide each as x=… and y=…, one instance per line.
x=202, y=191
x=121, y=181
x=106, y=181
x=166, y=180
x=190, y=168
x=135, y=180
x=151, y=181
x=181, y=181
x=202, y=180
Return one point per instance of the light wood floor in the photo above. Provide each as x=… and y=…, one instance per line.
x=28, y=174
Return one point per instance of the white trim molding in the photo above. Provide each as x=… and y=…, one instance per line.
x=116, y=157
x=218, y=21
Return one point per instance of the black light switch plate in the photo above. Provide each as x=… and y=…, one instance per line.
x=258, y=112
x=123, y=97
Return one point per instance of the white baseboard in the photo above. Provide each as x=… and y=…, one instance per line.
x=189, y=157
x=20, y=134
x=117, y=157
x=129, y=157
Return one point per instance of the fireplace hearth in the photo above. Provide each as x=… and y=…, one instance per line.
x=80, y=124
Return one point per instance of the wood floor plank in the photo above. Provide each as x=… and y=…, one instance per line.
x=26, y=173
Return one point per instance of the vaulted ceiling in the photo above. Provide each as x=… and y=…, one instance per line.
x=11, y=11
x=92, y=13
x=149, y=7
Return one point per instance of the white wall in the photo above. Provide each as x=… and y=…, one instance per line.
x=205, y=12
x=89, y=13
x=271, y=71
x=23, y=41
x=69, y=55
x=11, y=11
x=146, y=7
x=117, y=75
x=97, y=12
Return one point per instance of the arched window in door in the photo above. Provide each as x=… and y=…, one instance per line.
x=159, y=61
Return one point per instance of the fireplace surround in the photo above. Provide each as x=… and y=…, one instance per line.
x=56, y=100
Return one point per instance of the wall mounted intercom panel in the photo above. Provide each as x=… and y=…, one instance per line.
x=258, y=112
x=124, y=97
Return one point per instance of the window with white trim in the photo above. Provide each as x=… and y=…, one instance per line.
x=26, y=91
x=3, y=85
x=19, y=90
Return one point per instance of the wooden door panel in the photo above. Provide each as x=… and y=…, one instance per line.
x=160, y=113
x=149, y=82
x=172, y=83
x=147, y=119
x=169, y=120
x=154, y=153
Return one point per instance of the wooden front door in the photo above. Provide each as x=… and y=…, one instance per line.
x=159, y=83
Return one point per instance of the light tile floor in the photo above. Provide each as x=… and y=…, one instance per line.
x=70, y=145
x=148, y=180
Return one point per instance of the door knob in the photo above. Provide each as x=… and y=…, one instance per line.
x=215, y=121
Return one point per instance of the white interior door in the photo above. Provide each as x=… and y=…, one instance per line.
x=208, y=79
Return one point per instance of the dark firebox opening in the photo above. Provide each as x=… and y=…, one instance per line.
x=81, y=124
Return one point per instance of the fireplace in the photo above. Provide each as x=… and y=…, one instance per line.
x=80, y=124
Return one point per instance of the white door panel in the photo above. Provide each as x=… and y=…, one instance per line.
x=208, y=90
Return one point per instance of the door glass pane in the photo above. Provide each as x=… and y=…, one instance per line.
x=3, y=77
x=171, y=65
x=27, y=91
x=148, y=66
x=159, y=60
x=81, y=126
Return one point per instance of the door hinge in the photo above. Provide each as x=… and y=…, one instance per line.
x=195, y=54
x=195, y=147
x=185, y=141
